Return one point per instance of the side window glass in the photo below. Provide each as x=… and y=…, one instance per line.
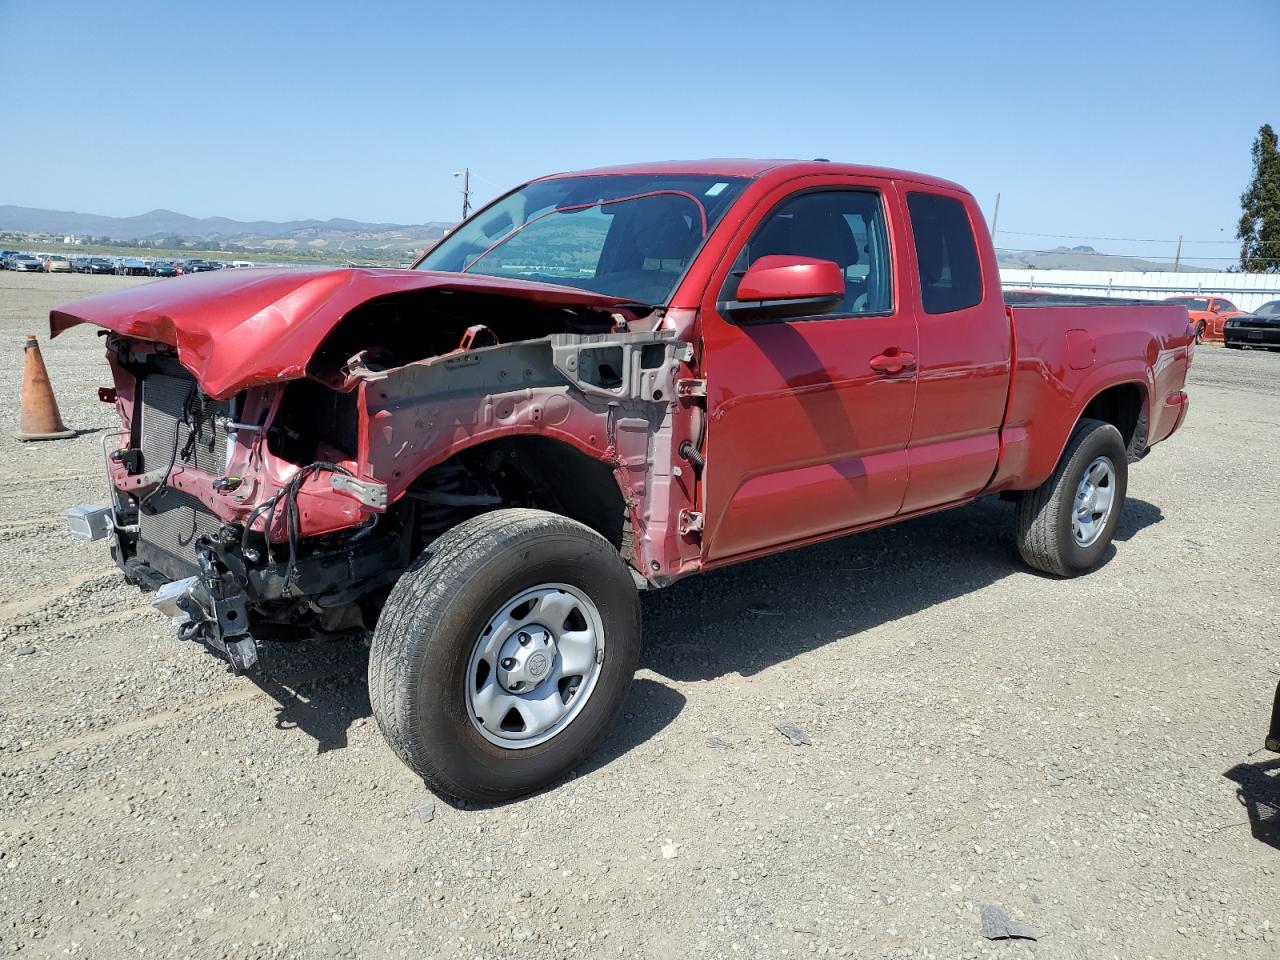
x=946, y=253
x=844, y=226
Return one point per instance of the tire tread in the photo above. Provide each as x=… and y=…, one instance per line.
x=413, y=611
x=1039, y=535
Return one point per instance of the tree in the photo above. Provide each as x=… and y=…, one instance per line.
x=1259, y=230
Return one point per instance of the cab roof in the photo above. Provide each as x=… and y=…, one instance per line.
x=752, y=169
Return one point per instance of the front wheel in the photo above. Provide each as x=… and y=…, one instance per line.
x=504, y=653
x=1200, y=332
x=1065, y=525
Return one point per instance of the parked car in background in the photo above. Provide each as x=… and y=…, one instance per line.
x=56, y=263
x=731, y=359
x=1207, y=315
x=164, y=268
x=4, y=258
x=1257, y=330
x=240, y=264
x=26, y=263
x=132, y=267
x=96, y=265
x=202, y=266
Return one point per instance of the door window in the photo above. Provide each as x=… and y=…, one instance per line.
x=844, y=226
x=946, y=253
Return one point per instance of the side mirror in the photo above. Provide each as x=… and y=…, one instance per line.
x=786, y=286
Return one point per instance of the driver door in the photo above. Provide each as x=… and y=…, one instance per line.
x=807, y=424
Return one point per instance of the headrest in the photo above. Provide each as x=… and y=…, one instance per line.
x=664, y=228
x=809, y=228
x=931, y=253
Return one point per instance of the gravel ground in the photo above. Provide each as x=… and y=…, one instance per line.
x=1083, y=753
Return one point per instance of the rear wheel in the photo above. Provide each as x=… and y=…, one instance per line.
x=503, y=655
x=1065, y=524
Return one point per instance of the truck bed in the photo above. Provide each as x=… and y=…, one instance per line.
x=1078, y=348
x=1022, y=297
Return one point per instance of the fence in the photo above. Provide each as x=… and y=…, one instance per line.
x=1248, y=291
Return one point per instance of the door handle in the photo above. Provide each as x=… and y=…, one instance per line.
x=893, y=361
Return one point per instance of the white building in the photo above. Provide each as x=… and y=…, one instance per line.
x=1248, y=291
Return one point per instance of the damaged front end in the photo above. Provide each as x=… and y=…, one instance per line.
x=239, y=542
x=287, y=506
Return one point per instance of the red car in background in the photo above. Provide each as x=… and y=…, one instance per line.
x=1207, y=315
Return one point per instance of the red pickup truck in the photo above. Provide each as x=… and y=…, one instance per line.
x=602, y=382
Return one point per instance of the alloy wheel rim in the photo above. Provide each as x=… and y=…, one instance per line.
x=534, y=666
x=1095, y=498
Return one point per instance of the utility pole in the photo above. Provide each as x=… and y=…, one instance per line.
x=1177, y=256
x=995, y=219
x=465, y=174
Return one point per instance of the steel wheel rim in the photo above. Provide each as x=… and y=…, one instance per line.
x=521, y=693
x=1095, y=499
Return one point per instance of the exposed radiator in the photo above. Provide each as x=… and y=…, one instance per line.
x=171, y=521
x=170, y=405
x=167, y=536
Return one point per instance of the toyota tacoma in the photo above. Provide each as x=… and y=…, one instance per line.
x=600, y=383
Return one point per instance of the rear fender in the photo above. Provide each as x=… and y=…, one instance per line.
x=1032, y=448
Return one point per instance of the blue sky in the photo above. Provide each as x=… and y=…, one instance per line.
x=1092, y=117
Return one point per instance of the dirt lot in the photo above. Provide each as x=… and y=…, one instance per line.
x=1084, y=753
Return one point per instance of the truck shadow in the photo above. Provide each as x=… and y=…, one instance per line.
x=1258, y=790
x=740, y=620
x=320, y=690
x=748, y=618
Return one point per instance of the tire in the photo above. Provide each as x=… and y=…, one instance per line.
x=430, y=631
x=1200, y=332
x=1045, y=530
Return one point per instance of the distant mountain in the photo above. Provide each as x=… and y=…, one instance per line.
x=350, y=237
x=1084, y=258
x=314, y=234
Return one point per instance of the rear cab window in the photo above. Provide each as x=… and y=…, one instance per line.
x=946, y=253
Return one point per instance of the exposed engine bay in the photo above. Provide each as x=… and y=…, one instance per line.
x=290, y=509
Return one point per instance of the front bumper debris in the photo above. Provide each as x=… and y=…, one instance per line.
x=211, y=608
x=89, y=521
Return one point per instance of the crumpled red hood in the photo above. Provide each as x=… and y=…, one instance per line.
x=242, y=328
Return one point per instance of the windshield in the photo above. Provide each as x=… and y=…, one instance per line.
x=1269, y=309
x=1191, y=303
x=630, y=236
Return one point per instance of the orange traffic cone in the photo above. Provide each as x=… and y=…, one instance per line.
x=39, y=418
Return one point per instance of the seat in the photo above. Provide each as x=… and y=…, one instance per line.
x=650, y=242
x=811, y=227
